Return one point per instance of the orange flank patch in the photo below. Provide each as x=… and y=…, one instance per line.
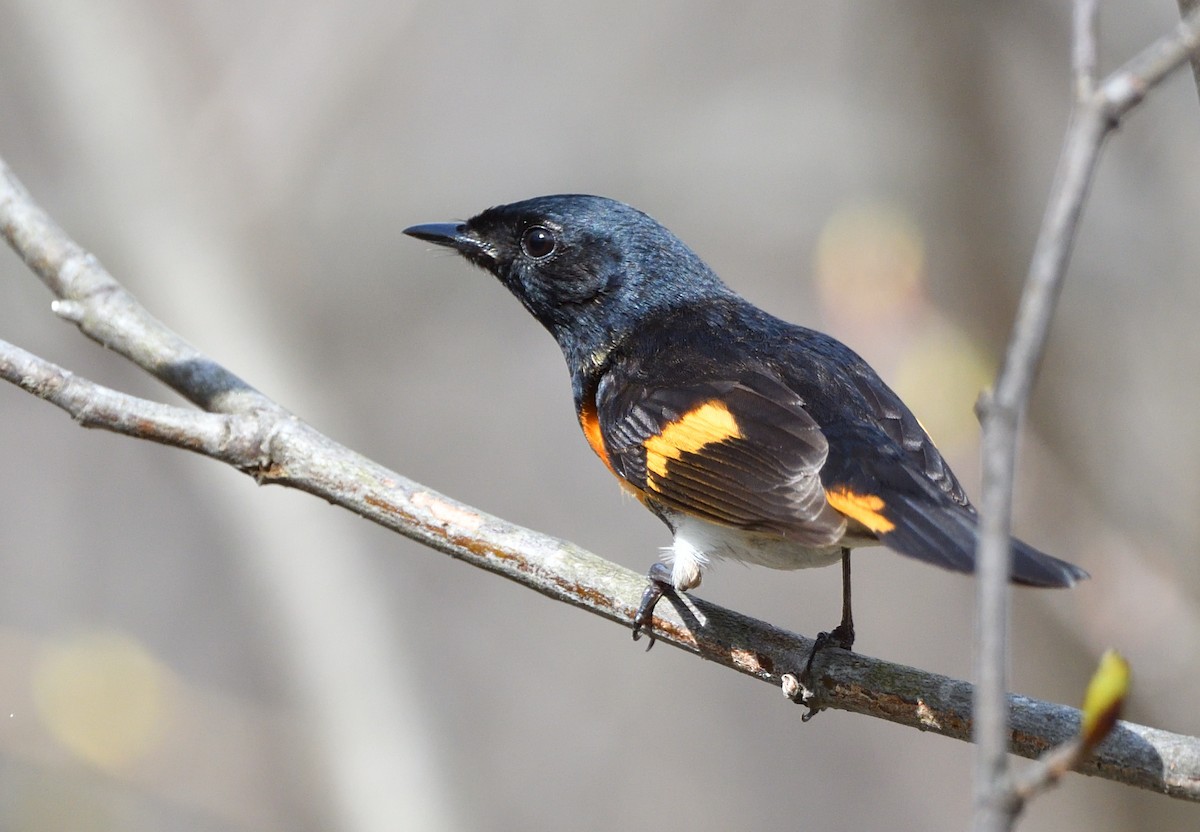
x=590, y=422
x=865, y=508
x=704, y=424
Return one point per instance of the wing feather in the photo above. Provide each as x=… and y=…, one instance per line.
x=742, y=453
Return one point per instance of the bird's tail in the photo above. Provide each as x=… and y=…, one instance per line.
x=945, y=535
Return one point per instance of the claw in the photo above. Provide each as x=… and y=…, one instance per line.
x=643, y=619
x=837, y=637
x=840, y=636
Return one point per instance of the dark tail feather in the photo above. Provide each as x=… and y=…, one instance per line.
x=1032, y=567
x=945, y=536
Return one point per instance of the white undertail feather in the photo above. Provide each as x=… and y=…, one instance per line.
x=687, y=562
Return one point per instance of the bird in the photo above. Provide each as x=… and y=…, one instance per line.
x=753, y=439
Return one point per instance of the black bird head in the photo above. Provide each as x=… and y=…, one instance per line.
x=587, y=267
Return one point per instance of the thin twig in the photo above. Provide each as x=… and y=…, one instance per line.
x=1186, y=7
x=1095, y=115
x=231, y=438
x=93, y=300
x=1125, y=88
x=1085, y=25
x=1102, y=706
x=1050, y=769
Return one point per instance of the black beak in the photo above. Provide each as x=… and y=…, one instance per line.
x=451, y=234
x=457, y=236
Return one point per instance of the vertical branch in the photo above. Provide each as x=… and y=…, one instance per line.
x=996, y=807
x=1098, y=110
x=1084, y=40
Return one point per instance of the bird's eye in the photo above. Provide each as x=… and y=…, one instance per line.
x=538, y=242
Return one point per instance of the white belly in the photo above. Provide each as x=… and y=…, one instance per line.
x=698, y=542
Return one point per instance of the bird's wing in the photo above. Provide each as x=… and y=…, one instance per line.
x=901, y=426
x=747, y=453
x=743, y=453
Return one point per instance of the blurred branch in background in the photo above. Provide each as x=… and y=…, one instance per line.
x=247, y=430
x=1186, y=7
x=1097, y=112
x=365, y=762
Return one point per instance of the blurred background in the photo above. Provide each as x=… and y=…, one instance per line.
x=181, y=649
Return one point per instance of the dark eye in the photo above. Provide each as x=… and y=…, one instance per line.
x=538, y=242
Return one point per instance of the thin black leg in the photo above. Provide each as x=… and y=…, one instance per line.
x=843, y=634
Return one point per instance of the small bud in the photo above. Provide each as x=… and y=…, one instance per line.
x=1105, y=695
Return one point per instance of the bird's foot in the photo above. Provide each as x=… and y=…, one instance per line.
x=840, y=636
x=643, y=619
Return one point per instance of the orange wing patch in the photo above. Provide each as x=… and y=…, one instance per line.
x=704, y=424
x=865, y=508
x=590, y=422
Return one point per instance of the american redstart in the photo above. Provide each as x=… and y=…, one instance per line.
x=750, y=437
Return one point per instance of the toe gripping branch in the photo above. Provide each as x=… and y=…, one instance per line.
x=660, y=584
x=837, y=637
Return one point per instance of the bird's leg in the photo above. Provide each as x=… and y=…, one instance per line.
x=843, y=634
x=660, y=583
x=840, y=636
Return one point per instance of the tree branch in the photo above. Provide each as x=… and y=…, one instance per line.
x=279, y=448
x=233, y=439
x=245, y=429
x=1097, y=112
x=93, y=300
